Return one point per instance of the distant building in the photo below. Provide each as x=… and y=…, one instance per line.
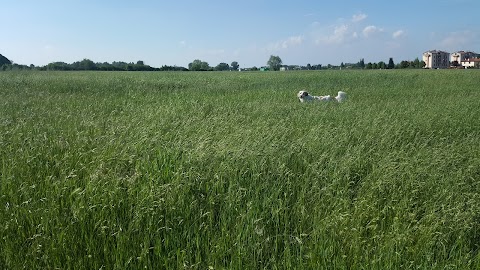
x=436, y=59
x=471, y=63
x=457, y=58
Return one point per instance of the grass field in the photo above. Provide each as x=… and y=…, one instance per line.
x=229, y=171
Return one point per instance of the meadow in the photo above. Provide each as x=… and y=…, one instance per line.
x=227, y=170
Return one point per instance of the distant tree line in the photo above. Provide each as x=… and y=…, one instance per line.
x=274, y=63
x=199, y=65
x=87, y=64
x=380, y=65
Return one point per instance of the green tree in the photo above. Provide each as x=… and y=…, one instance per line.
x=85, y=64
x=404, y=64
x=361, y=64
x=235, y=66
x=222, y=67
x=198, y=65
x=416, y=63
x=391, y=64
x=4, y=61
x=58, y=66
x=275, y=62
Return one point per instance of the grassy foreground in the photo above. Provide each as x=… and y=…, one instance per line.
x=229, y=171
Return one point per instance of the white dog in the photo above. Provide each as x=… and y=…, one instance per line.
x=303, y=96
x=341, y=96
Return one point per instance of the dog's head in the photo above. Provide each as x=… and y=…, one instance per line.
x=341, y=96
x=302, y=94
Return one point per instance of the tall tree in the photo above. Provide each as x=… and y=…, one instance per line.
x=416, y=63
x=274, y=62
x=361, y=63
x=235, y=65
x=391, y=64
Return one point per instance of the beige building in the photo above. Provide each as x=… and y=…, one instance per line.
x=461, y=56
x=471, y=63
x=436, y=59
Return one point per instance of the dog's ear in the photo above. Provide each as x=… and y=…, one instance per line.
x=305, y=93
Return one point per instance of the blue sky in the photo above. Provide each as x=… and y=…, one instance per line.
x=247, y=31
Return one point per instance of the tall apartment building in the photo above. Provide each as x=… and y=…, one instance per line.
x=436, y=59
x=462, y=56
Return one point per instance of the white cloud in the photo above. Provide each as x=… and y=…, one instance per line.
x=341, y=40
x=287, y=43
x=345, y=32
x=399, y=34
x=359, y=17
x=292, y=41
x=371, y=30
x=340, y=32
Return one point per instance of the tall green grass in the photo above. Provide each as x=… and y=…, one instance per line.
x=229, y=171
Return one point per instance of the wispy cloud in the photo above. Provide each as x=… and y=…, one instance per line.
x=359, y=17
x=371, y=30
x=341, y=39
x=293, y=41
x=287, y=43
x=340, y=33
x=399, y=34
x=344, y=32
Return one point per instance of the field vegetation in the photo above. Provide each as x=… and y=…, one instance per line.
x=227, y=170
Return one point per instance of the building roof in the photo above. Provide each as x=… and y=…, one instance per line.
x=435, y=51
x=466, y=52
x=472, y=60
